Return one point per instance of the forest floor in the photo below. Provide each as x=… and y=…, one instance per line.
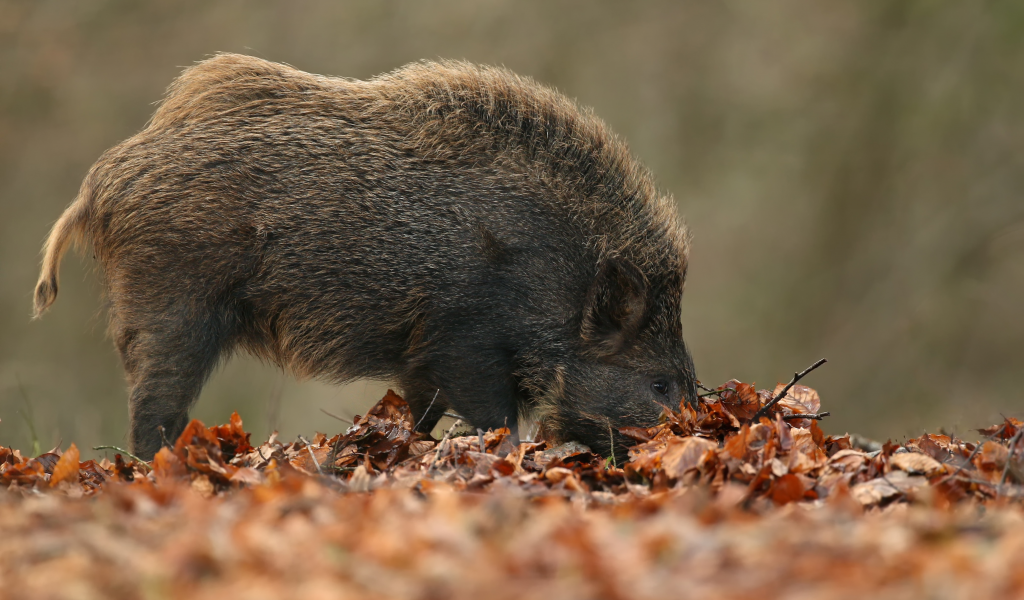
x=715, y=502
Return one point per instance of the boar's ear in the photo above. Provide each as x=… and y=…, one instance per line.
x=615, y=307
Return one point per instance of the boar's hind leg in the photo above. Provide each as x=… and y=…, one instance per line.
x=167, y=361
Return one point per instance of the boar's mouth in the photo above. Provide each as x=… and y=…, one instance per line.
x=600, y=432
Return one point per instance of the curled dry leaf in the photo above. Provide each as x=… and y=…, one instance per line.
x=683, y=454
x=66, y=468
x=800, y=399
x=740, y=399
x=875, y=491
x=913, y=462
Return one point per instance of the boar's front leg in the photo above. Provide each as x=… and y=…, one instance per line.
x=480, y=386
x=167, y=359
x=426, y=400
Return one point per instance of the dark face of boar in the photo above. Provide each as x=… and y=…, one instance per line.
x=633, y=364
x=464, y=232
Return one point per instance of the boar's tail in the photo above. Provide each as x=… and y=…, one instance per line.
x=70, y=228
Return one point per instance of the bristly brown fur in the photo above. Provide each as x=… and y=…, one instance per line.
x=451, y=226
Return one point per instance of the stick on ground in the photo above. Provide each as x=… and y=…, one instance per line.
x=816, y=417
x=1009, y=457
x=796, y=377
x=426, y=412
x=121, y=451
x=437, y=455
x=311, y=455
x=960, y=468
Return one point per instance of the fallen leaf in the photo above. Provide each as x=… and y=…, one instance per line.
x=874, y=492
x=683, y=454
x=66, y=468
x=785, y=489
x=914, y=462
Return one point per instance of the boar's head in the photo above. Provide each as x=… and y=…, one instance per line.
x=631, y=364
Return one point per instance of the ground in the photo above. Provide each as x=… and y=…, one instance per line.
x=717, y=502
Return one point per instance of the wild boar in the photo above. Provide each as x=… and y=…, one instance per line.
x=463, y=231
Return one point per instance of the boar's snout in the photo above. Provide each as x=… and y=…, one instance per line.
x=633, y=363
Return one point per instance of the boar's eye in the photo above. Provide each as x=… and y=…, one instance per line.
x=660, y=387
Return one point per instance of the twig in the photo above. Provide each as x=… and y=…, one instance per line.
x=311, y=455
x=1009, y=458
x=332, y=415
x=440, y=445
x=816, y=417
x=978, y=482
x=796, y=377
x=452, y=415
x=334, y=447
x=414, y=456
x=705, y=388
x=710, y=392
x=611, y=440
x=960, y=468
x=122, y=451
x=426, y=412
x=163, y=437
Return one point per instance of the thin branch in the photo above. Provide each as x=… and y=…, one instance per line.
x=706, y=388
x=977, y=481
x=332, y=415
x=1009, y=458
x=332, y=456
x=311, y=455
x=137, y=460
x=452, y=415
x=960, y=468
x=122, y=451
x=796, y=377
x=611, y=440
x=413, y=457
x=427, y=412
x=816, y=417
x=970, y=458
x=163, y=437
x=440, y=445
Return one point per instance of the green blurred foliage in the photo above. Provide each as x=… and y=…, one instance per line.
x=851, y=173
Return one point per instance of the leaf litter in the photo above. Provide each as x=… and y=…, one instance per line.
x=710, y=504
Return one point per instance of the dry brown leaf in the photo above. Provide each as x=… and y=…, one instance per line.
x=683, y=454
x=740, y=399
x=66, y=468
x=871, y=493
x=848, y=461
x=992, y=459
x=786, y=489
x=914, y=462
x=800, y=399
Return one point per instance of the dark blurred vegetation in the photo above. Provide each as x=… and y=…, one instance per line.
x=851, y=172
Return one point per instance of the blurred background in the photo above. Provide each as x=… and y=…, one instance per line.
x=851, y=171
